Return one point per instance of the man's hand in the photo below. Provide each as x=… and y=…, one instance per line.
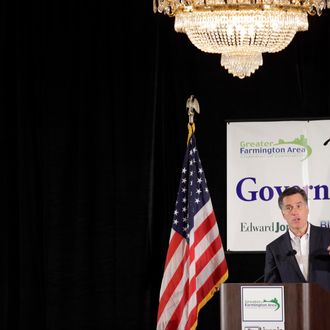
x=328, y=249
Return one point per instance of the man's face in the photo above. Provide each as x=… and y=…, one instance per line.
x=295, y=212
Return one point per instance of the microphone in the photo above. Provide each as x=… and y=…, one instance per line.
x=290, y=253
x=262, y=276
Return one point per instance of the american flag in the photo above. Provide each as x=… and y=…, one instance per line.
x=195, y=264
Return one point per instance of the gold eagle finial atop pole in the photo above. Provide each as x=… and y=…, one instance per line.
x=192, y=105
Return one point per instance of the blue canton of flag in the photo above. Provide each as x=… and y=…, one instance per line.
x=193, y=192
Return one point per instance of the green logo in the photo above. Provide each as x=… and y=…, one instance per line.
x=302, y=142
x=274, y=301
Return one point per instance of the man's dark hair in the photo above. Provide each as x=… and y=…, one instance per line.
x=291, y=191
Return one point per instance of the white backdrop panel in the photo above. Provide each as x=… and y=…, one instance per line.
x=263, y=158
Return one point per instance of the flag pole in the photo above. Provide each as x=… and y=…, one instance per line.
x=195, y=264
x=192, y=105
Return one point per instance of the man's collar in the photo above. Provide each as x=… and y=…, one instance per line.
x=293, y=236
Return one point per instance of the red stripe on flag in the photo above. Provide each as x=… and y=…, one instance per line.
x=177, y=315
x=205, y=291
x=192, y=318
x=204, y=228
x=173, y=245
x=219, y=274
x=189, y=290
x=208, y=254
x=172, y=283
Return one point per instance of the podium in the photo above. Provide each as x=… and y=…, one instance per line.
x=307, y=306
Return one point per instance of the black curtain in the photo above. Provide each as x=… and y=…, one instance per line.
x=93, y=129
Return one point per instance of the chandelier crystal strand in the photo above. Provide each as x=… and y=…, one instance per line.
x=240, y=30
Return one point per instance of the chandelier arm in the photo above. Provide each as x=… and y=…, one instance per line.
x=173, y=7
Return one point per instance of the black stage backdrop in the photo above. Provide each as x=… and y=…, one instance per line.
x=93, y=129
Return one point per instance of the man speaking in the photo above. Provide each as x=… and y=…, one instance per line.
x=302, y=254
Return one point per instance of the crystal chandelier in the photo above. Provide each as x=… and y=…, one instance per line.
x=240, y=30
